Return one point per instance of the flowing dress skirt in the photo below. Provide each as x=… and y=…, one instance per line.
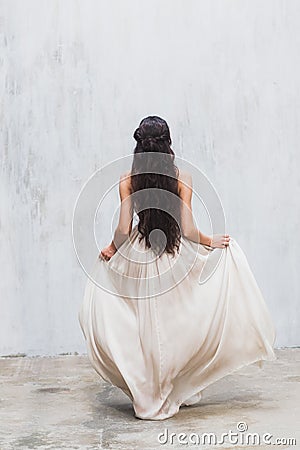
x=162, y=337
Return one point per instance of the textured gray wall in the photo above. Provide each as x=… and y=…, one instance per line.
x=76, y=79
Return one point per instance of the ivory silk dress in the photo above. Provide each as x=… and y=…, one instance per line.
x=160, y=335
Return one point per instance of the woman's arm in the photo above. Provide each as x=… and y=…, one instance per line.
x=125, y=218
x=188, y=228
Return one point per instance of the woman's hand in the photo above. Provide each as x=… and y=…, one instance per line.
x=219, y=240
x=108, y=252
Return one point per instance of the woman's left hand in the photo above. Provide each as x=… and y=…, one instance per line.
x=108, y=252
x=220, y=241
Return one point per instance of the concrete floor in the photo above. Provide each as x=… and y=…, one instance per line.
x=61, y=403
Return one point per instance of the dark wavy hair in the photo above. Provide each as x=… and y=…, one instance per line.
x=154, y=182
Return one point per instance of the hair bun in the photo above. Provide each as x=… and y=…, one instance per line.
x=152, y=130
x=148, y=142
x=137, y=135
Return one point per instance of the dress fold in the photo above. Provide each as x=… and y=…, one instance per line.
x=160, y=335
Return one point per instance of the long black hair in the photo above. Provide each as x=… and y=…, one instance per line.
x=154, y=180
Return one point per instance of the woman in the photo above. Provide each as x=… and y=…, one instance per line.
x=159, y=335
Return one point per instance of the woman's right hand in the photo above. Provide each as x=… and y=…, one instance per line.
x=108, y=252
x=220, y=241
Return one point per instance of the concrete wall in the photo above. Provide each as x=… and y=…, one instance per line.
x=76, y=79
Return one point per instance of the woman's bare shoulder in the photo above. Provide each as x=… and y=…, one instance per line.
x=184, y=179
x=125, y=176
x=125, y=182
